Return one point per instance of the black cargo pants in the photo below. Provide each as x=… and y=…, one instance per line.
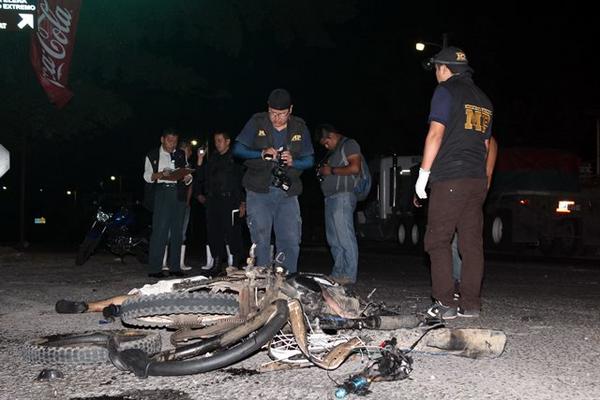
x=456, y=205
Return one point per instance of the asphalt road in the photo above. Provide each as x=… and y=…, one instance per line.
x=549, y=312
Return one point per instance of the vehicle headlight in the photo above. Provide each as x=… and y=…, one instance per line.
x=566, y=206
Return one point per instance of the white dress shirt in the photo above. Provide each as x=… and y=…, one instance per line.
x=164, y=162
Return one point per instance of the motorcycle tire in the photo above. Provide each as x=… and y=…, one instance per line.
x=225, y=350
x=88, y=347
x=154, y=311
x=86, y=250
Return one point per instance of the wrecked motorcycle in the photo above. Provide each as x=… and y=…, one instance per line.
x=223, y=320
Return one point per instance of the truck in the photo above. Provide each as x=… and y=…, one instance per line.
x=536, y=202
x=388, y=214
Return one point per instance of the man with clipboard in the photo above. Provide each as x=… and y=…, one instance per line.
x=166, y=179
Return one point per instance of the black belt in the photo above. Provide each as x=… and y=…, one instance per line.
x=167, y=185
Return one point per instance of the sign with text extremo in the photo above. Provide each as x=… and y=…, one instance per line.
x=17, y=15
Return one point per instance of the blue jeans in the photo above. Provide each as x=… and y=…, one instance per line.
x=339, y=227
x=275, y=211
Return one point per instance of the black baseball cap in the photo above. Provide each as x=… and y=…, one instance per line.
x=280, y=99
x=453, y=57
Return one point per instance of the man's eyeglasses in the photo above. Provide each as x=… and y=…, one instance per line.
x=282, y=114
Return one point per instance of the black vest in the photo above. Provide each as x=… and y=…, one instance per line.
x=149, y=188
x=258, y=176
x=223, y=176
x=463, y=153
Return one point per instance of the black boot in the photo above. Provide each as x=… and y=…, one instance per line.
x=70, y=307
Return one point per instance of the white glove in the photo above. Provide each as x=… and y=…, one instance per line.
x=422, y=183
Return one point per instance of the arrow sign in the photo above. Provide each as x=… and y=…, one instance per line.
x=26, y=20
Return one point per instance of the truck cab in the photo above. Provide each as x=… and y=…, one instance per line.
x=536, y=201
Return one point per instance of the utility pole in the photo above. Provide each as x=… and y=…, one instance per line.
x=22, y=241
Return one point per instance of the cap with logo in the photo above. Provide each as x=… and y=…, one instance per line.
x=453, y=57
x=280, y=99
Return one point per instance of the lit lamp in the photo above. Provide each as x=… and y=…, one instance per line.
x=194, y=142
x=114, y=178
x=420, y=46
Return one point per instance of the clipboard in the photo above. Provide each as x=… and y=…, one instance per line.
x=177, y=174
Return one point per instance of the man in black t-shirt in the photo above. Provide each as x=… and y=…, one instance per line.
x=220, y=190
x=454, y=162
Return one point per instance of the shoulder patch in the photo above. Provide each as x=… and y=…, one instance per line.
x=261, y=132
x=296, y=137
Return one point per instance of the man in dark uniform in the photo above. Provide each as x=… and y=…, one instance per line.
x=454, y=162
x=220, y=190
x=167, y=199
x=277, y=148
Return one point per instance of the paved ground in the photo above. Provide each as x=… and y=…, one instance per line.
x=550, y=314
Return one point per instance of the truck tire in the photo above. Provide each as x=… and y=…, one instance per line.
x=416, y=235
x=403, y=234
x=498, y=231
x=568, y=241
x=547, y=245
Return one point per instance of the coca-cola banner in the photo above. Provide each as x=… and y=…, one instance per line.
x=52, y=46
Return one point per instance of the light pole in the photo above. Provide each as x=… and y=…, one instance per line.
x=420, y=46
x=120, y=178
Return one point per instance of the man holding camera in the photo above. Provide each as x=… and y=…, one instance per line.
x=277, y=148
x=338, y=174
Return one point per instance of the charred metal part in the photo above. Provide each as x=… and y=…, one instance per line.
x=342, y=305
x=335, y=357
x=219, y=327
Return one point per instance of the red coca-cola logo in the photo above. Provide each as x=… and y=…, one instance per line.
x=54, y=27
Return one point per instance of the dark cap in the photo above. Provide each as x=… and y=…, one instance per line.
x=453, y=57
x=280, y=99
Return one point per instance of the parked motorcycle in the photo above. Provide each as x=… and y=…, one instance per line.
x=115, y=231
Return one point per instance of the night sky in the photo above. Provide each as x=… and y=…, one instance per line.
x=199, y=66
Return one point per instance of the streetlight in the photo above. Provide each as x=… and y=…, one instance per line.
x=420, y=46
x=194, y=142
x=120, y=179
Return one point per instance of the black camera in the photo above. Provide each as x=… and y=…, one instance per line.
x=280, y=178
